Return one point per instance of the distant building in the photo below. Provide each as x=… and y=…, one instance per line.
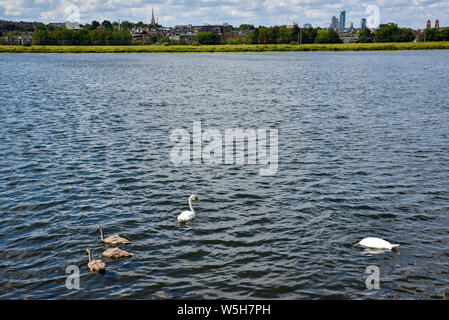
x=178, y=29
x=349, y=26
x=334, y=23
x=327, y=26
x=417, y=33
x=223, y=32
x=347, y=36
x=187, y=37
x=21, y=39
x=342, y=20
x=363, y=23
x=429, y=25
x=18, y=25
x=72, y=25
x=153, y=22
x=58, y=25
x=141, y=35
x=188, y=31
x=307, y=25
x=437, y=24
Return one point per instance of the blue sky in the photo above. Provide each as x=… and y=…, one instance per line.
x=410, y=13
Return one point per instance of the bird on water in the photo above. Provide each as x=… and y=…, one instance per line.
x=115, y=239
x=188, y=215
x=95, y=265
x=376, y=243
x=115, y=253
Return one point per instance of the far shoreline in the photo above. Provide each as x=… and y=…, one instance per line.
x=395, y=46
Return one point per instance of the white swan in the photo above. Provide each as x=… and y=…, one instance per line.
x=188, y=215
x=376, y=243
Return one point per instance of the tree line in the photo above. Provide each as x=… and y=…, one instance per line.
x=284, y=35
x=82, y=37
x=434, y=35
x=391, y=33
x=114, y=33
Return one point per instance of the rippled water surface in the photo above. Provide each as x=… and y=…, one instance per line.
x=363, y=151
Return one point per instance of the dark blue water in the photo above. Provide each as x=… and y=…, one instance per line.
x=363, y=151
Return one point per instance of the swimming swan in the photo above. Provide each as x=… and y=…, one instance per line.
x=376, y=243
x=115, y=239
x=116, y=253
x=188, y=215
x=95, y=265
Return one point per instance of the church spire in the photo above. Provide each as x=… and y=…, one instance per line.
x=152, y=16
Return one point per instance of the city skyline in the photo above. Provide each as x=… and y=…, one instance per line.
x=257, y=12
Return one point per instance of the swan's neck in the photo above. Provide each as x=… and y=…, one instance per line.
x=90, y=258
x=101, y=233
x=190, y=205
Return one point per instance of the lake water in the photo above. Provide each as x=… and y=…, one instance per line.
x=363, y=151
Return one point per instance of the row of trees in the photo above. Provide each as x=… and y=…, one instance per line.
x=385, y=33
x=109, y=34
x=106, y=24
x=82, y=37
x=284, y=35
x=391, y=33
x=434, y=35
x=125, y=25
x=207, y=38
x=7, y=26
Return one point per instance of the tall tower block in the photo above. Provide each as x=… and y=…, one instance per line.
x=342, y=20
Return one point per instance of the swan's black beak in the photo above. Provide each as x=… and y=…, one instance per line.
x=196, y=200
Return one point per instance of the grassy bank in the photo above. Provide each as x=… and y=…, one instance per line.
x=227, y=48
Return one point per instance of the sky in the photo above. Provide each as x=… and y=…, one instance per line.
x=406, y=13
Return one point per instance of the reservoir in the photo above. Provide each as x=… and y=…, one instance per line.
x=363, y=151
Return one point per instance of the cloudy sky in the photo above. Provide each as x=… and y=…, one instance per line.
x=410, y=13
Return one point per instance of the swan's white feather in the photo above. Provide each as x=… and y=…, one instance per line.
x=376, y=243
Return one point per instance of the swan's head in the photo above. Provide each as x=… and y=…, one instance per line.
x=88, y=250
x=99, y=227
x=194, y=197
